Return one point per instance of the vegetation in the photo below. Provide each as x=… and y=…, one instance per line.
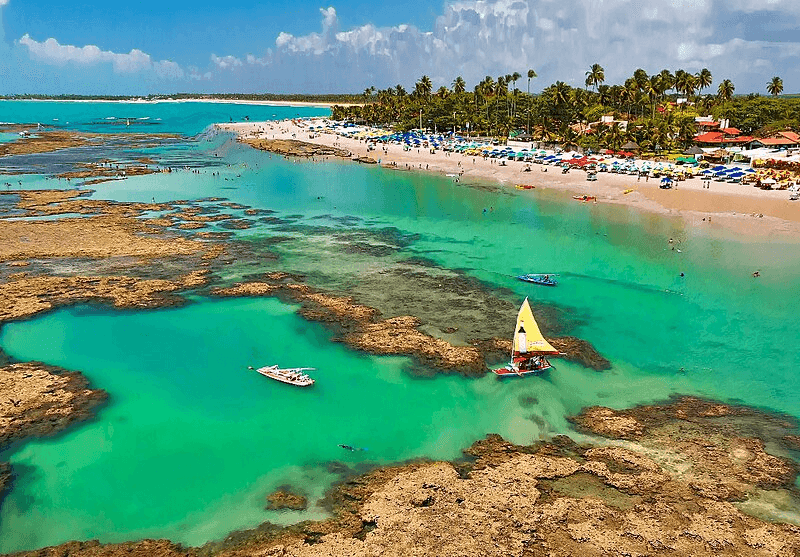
x=656, y=111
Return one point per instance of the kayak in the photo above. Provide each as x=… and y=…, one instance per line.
x=584, y=197
x=543, y=280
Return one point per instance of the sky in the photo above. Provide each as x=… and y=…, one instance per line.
x=304, y=46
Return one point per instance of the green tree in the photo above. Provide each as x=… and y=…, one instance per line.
x=423, y=87
x=704, y=79
x=531, y=75
x=459, y=86
x=725, y=92
x=775, y=86
x=595, y=76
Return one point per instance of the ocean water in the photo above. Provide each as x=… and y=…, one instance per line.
x=192, y=441
x=186, y=119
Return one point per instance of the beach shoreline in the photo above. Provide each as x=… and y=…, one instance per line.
x=743, y=210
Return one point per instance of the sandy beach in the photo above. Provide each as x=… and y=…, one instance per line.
x=743, y=209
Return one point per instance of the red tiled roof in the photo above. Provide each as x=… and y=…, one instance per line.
x=790, y=135
x=710, y=137
x=776, y=141
x=719, y=137
x=730, y=131
x=707, y=124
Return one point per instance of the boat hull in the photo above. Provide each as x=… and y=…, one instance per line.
x=277, y=375
x=508, y=372
x=537, y=280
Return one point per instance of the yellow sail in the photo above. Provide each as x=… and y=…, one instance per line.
x=528, y=338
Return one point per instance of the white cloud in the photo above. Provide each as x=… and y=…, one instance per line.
x=135, y=61
x=166, y=69
x=225, y=62
x=747, y=41
x=560, y=40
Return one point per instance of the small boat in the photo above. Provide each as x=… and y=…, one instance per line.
x=585, y=197
x=626, y=192
x=525, y=187
x=539, y=278
x=529, y=350
x=292, y=375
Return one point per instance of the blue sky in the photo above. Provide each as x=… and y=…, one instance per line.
x=307, y=46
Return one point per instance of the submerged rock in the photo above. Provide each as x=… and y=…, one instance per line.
x=284, y=498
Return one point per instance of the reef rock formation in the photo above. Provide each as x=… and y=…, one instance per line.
x=285, y=498
x=38, y=400
x=294, y=148
x=361, y=326
x=555, y=499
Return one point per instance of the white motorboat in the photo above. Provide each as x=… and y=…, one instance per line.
x=292, y=375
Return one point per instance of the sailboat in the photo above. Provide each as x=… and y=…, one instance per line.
x=530, y=349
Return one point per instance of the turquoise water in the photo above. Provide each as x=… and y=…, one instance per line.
x=191, y=441
x=164, y=117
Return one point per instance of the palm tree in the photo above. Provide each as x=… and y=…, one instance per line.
x=459, y=86
x=613, y=137
x=775, y=86
x=508, y=81
x=604, y=95
x=691, y=85
x=514, y=77
x=667, y=79
x=501, y=89
x=725, y=92
x=400, y=91
x=680, y=81
x=654, y=89
x=595, y=76
x=640, y=77
x=423, y=87
x=368, y=93
x=686, y=130
x=704, y=79
x=531, y=75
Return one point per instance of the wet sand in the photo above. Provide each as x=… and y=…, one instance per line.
x=742, y=209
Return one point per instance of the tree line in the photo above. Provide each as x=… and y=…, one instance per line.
x=659, y=109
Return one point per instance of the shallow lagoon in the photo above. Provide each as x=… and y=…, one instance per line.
x=192, y=441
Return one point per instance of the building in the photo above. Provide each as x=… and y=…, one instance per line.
x=777, y=140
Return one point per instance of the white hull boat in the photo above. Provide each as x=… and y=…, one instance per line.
x=291, y=376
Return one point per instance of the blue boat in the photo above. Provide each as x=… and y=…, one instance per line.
x=539, y=278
